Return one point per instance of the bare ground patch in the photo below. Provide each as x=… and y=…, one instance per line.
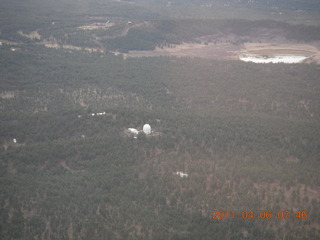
x=32, y=35
x=9, y=42
x=71, y=47
x=8, y=94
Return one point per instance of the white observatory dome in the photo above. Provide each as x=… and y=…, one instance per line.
x=146, y=129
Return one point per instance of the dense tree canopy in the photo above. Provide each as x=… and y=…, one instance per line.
x=246, y=134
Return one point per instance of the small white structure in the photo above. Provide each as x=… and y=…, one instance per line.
x=102, y=113
x=146, y=129
x=14, y=140
x=134, y=131
x=182, y=175
x=98, y=114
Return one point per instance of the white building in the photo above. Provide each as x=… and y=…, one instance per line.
x=102, y=113
x=134, y=131
x=182, y=175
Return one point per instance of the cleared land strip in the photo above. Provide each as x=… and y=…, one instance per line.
x=228, y=51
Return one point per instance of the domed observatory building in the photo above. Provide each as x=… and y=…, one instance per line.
x=146, y=129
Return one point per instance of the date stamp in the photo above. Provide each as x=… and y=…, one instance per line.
x=302, y=214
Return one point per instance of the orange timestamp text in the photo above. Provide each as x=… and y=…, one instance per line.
x=259, y=214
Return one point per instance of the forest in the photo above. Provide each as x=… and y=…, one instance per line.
x=246, y=134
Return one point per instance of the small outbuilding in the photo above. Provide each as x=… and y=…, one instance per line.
x=182, y=175
x=133, y=130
